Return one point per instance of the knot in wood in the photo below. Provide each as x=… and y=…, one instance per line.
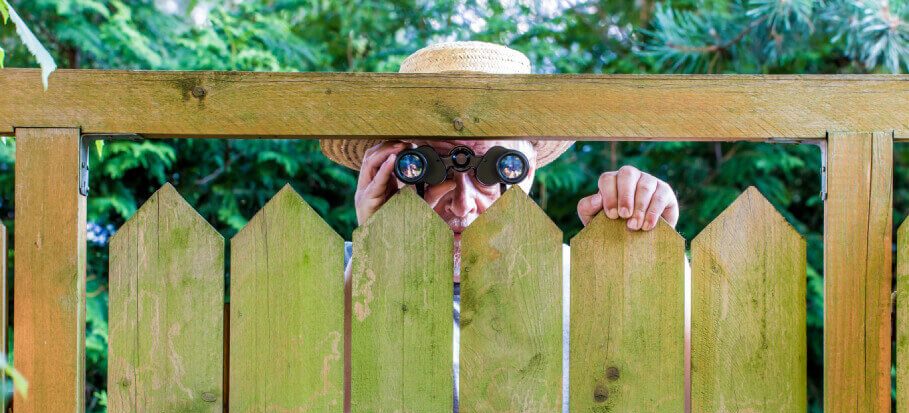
x=600, y=393
x=199, y=92
x=612, y=373
x=209, y=397
x=458, y=124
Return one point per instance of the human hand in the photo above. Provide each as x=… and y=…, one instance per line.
x=376, y=182
x=637, y=196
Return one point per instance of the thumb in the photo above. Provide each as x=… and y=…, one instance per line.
x=588, y=207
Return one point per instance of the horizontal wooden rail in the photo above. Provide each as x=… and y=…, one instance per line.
x=583, y=107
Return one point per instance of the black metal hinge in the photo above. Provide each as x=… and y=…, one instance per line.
x=85, y=143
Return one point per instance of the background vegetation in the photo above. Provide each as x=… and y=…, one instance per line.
x=228, y=180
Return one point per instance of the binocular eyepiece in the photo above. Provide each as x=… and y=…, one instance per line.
x=423, y=165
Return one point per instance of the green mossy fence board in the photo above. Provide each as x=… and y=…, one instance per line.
x=4, y=304
x=902, y=318
x=169, y=266
x=287, y=309
x=122, y=329
x=748, y=349
x=511, y=312
x=401, y=317
x=627, y=319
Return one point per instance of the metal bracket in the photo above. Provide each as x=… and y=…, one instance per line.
x=823, y=146
x=85, y=142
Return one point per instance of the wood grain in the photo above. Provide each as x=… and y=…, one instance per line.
x=49, y=297
x=902, y=318
x=123, y=330
x=627, y=319
x=511, y=309
x=401, y=301
x=173, y=263
x=4, y=310
x=857, y=258
x=316, y=105
x=748, y=345
x=287, y=309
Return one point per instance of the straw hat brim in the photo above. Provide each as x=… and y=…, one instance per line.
x=349, y=152
x=450, y=57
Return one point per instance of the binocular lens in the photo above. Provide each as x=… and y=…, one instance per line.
x=512, y=168
x=410, y=167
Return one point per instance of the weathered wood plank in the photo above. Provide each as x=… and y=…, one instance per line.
x=627, y=319
x=511, y=309
x=902, y=318
x=401, y=303
x=4, y=310
x=857, y=259
x=748, y=348
x=287, y=309
x=49, y=297
x=628, y=107
x=122, y=351
x=178, y=275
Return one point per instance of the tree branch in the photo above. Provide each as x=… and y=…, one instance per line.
x=719, y=46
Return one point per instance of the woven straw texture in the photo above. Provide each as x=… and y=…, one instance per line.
x=463, y=56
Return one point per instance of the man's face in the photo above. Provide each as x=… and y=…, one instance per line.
x=462, y=198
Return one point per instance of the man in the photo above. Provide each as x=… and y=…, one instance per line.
x=628, y=193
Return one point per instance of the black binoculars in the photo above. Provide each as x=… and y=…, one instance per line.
x=422, y=165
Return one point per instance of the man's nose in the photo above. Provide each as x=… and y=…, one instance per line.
x=463, y=200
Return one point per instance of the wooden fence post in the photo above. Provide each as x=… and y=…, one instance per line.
x=857, y=274
x=4, y=303
x=49, y=296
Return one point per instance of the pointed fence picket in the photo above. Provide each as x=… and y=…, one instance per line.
x=286, y=311
x=511, y=311
x=166, y=326
x=286, y=316
x=902, y=318
x=748, y=348
x=627, y=319
x=401, y=310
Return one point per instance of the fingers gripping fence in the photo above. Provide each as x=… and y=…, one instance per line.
x=286, y=328
x=627, y=312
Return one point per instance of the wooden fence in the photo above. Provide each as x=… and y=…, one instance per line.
x=286, y=315
x=285, y=319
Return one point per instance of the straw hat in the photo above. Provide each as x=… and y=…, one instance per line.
x=463, y=56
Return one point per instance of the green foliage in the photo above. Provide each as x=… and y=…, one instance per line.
x=229, y=180
x=4, y=17
x=770, y=35
x=28, y=39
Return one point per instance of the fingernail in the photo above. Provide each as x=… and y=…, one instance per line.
x=648, y=225
x=624, y=212
x=612, y=213
x=596, y=200
x=632, y=223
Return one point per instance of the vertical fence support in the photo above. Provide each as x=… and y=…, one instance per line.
x=857, y=272
x=49, y=297
x=4, y=321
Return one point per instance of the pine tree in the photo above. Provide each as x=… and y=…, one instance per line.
x=768, y=35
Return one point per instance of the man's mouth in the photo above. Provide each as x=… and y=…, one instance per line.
x=458, y=225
